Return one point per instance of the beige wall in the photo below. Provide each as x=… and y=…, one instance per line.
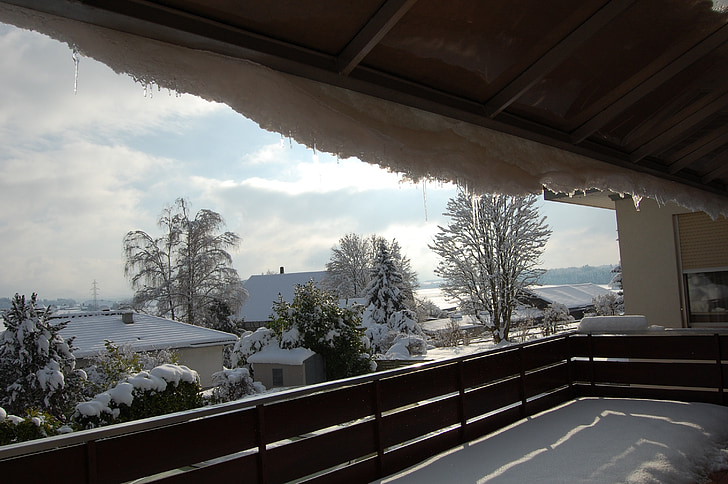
x=650, y=270
x=293, y=375
x=204, y=360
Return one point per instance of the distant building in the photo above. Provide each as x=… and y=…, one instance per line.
x=263, y=291
x=201, y=349
x=576, y=297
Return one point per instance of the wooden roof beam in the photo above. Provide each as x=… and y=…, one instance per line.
x=718, y=172
x=372, y=33
x=696, y=150
x=661, y=142
x=699, y=50
x=555, y=56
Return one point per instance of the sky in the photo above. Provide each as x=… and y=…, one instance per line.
x=89, y=155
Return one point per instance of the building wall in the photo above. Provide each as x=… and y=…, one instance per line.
x=204, y=360
x=293, y=375
x=650, y=269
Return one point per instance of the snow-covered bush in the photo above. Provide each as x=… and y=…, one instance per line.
x=37, y=367
x=118, y=362
x=315, y=321
x=555, y=316
x=233, y=384
x=165, y=389
x=34, y=425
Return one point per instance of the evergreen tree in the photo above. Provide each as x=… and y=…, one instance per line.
x=386, y=314
x=37, y=367
x=315, y=321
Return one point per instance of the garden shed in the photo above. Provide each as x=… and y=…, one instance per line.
x=275, y=367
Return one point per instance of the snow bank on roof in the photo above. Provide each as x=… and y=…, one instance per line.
x=349, y=124
x=612, y=324
x=275, y=355
x=570, y=295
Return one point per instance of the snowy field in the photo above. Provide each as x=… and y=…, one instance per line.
x=590, y=440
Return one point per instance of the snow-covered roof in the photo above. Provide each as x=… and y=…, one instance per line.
x=275, y=355
x=146, y=333
x=570, y=295
x=436, y=297
x=263, y=290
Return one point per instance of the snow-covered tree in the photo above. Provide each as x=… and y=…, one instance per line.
x=37, y=366
x=315, y=321
x=233, y=384
x=386, y=314
x=606, y=304
x=617, y=283
x=489, y=252
x=349, y=270
x=555, y=316
x=185, y=272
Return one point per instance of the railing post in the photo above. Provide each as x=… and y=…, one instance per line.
x=591, y=365
x=378, y=427
x=569, y=366
x=91, y=465
x=260, y=437
x=461, y=401
x=719, y=363
x=522, y=381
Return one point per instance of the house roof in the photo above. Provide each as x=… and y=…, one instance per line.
x=571, y=295
x=92, y=329
x=508, y=96
x=264, y=289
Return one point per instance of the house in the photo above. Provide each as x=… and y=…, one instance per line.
x=276, y=367
x=264, y=290
x=199, y=348
x=576, y=297
x=674, y=260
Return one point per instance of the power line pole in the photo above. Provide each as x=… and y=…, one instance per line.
x=95, y=291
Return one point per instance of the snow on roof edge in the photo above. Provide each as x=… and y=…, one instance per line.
x=350, y=124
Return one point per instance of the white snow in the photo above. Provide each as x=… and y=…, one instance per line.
x=590, y=440
x=351, y=124
x=613, y=324
x=274, y=354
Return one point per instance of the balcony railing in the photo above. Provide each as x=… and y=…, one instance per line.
x=365, y=428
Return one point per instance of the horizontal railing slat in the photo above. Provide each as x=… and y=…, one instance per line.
x=419, y=420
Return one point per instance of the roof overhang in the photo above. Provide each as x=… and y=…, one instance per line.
x=505, y=96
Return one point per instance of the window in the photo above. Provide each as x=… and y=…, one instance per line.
x=707, y=296
x=277, y=377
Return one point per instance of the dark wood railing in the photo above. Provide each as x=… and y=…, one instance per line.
x=365, y=428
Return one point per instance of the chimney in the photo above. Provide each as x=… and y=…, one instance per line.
x=127, y=317
x=282, y=271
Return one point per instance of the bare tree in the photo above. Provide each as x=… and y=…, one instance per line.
x=186, y=271
x=488, y=253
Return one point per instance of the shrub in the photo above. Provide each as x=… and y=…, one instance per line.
x=233, y=384
x=555, y=316
x=165, y=389
x=35, y=424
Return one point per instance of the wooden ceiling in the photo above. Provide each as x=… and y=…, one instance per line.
x=638, y=84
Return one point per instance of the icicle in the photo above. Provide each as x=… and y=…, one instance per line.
x=424, y=195
x=636, y=199
x=283, y=141
x=75, y=68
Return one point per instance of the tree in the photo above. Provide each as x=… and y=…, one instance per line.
x=315, y=321
x=488, y=253
x=186, y=271
x=349, y=270
x=37, y=366
x=386, y=315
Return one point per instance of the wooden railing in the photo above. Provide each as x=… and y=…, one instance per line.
x=365, y=428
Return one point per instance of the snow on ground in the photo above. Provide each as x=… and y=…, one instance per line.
x=590, y=440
